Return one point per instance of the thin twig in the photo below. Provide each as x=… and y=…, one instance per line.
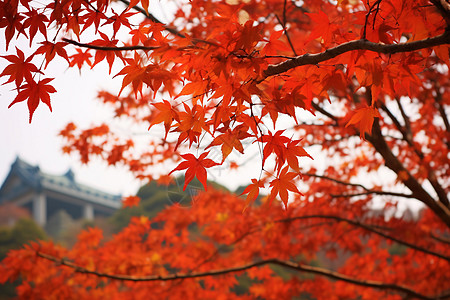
x=154, y=19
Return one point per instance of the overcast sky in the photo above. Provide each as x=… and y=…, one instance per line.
x=38, y=143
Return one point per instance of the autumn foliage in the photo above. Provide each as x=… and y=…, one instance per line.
x=363, y=84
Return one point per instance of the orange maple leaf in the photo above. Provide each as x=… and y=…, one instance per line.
x=363, y=119
x=165, y=113
x=253, y=191
x=293, y=151
x=230, y=140
x=282, y=184
x=196, y=167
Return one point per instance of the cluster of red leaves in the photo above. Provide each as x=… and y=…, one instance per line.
x=232, y=74
x=194, y=240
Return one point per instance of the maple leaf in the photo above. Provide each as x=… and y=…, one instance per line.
x=323, y=28
x=110, y=55
x=282, y=184
x=363, y=119
x=34, y=93
x=90, y=237
x=11, y=21
x=80, y=58
x=35, y=21
x=165, y=113
x=140, y=35
x=191, y=124
x=119, y=20
x=274, y=144
x=131, y=201
x=20, y=68
x=274, y=44
x=230, y=140
x=92, y=18
x=292, y=152
x=253, y=191
x=196, y=167
x=51, y=49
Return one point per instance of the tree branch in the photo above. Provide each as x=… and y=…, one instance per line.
x=283, y=263
x=372, y=192
x=312, y=59
x=441, y=239
x=368, y=191
x=392, y=162
x=105, y=48
x=408, y=137
x=325, y=113
x=283, y=23
x=369, y=228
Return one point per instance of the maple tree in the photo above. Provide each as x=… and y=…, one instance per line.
x=366, y=82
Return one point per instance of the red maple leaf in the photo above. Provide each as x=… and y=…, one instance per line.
x=275, y=144
x=196, y=167
x=282, y=184
x=51, y=49
x=109, y=55
x=34, y=92
x=80, y=58
x=36, y=21
x=19, y=68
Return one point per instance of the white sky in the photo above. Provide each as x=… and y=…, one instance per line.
x=38, y=143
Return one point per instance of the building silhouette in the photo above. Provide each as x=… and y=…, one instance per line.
x=44, y=195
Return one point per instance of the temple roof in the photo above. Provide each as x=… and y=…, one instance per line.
x=34, y=178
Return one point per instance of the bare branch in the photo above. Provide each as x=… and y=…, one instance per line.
x=325, y=113
x=284, y=263
x=407, y=134
x=369, y=228
x=373, y=192
x=283, y=23
x=405, y=118
x=441, y=239
x=105, y=48
x=392, y=162
x=408, y=137
x=336, y=180
x=368, y=191
x=312, y=59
